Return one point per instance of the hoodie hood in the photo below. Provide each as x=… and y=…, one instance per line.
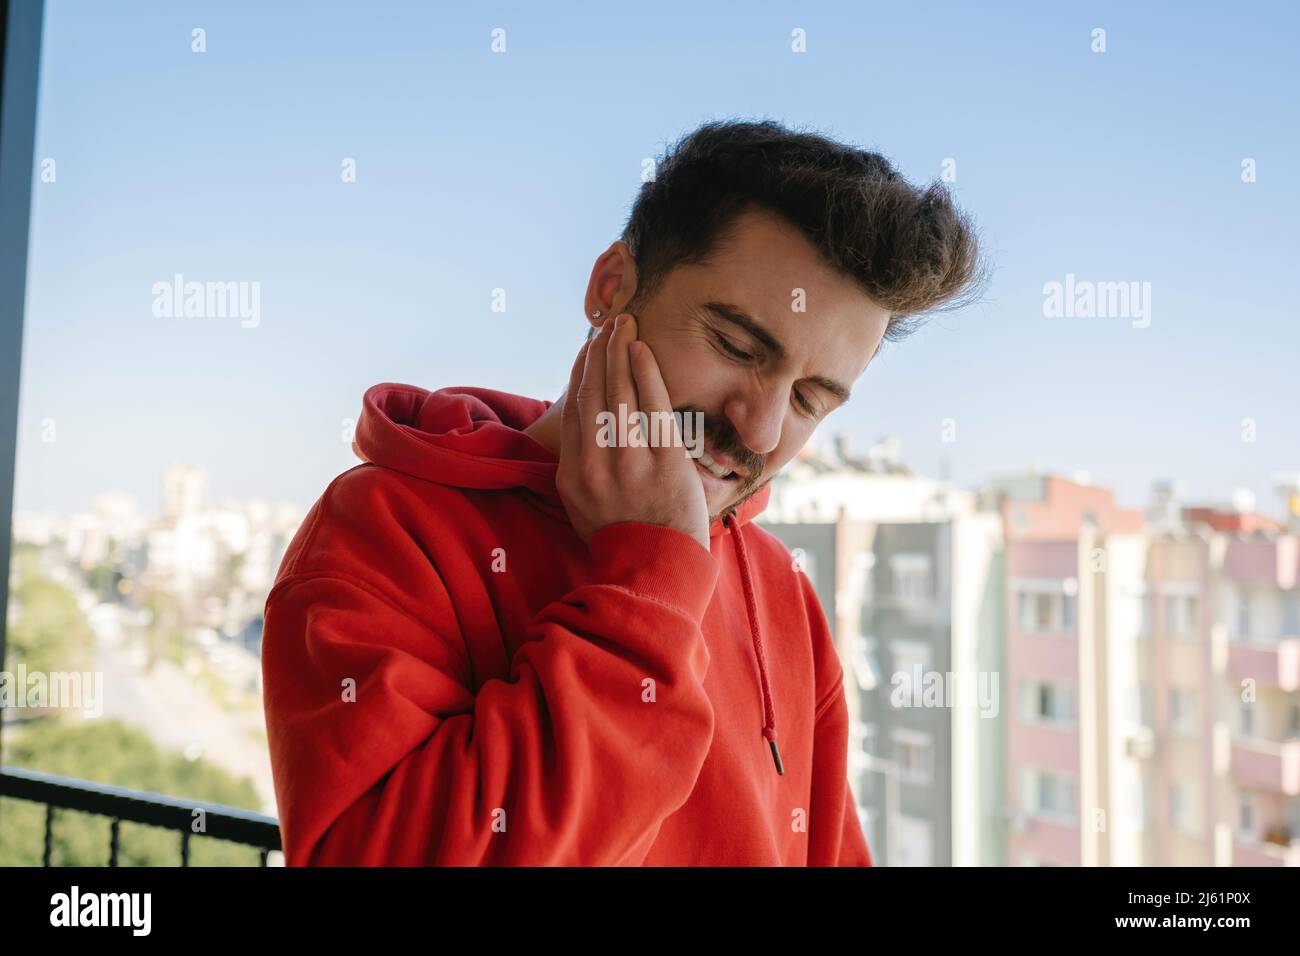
x=470, y=437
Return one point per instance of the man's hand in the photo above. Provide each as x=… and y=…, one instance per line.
x=606, y=485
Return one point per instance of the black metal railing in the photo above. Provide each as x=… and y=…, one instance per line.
x=136, y=806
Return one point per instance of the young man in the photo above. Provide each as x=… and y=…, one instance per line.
x=507, y=640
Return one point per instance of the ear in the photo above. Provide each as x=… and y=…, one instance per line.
x=611, y=286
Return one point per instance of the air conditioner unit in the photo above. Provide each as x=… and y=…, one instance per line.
x=1140, y=744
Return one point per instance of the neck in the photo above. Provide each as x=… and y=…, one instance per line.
x=548, y=430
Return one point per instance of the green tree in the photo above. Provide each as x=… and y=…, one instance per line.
x=109, y=751
x=50, y=632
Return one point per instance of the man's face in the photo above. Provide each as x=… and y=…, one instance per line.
x=761, y=340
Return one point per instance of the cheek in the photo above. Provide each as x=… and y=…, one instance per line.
x=692, y=373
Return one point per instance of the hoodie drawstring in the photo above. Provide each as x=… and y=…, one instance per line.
x=769, y=710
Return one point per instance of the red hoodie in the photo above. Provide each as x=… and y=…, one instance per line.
x=452, y=677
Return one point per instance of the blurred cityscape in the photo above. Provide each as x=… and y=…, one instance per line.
x=1145, y=663
x=174, y=604
x=1036, y=675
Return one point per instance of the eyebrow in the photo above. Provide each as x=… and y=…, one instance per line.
x=738, y=317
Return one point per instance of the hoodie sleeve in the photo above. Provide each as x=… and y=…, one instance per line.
x=385, y=755
x=835, y=833
x=847, y=845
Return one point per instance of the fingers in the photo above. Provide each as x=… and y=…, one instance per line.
x=570, y=417
x=619, y=386
x=652, y=393
x=620, y=389
x=591, y=390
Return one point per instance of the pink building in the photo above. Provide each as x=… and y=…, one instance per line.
x=1051, y=527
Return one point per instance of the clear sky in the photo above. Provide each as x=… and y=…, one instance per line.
x=478, y=171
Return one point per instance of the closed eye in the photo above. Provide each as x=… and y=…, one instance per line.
x=805, y=406
x=731, y=349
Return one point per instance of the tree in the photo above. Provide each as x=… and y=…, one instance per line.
x=109, y=751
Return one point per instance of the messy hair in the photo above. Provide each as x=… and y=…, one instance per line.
x=911, y=250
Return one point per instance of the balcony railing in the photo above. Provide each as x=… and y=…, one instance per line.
x=1272, y=765
x=1273, y=663
x=134, y=806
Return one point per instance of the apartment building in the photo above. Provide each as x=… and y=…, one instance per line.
x=910, y=576
x=1056, y=674
x=1141, y=668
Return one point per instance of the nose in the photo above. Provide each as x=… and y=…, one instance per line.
x=757, y=415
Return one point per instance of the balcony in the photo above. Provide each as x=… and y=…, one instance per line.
x=1268, y=765
x=134, y=806
x=1274, y=663
x=1279, y=851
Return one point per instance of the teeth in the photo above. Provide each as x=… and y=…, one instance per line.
x=714, y=468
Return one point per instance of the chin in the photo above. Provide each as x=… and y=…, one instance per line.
x=717, y=508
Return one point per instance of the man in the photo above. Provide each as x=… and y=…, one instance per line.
x=507, y=639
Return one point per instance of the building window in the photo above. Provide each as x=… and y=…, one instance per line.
x=1246, y=815
x=1182, y=709
x=1180, y=615
x=911, y=578
x=1291, y=614
x=1036, y=614
x=1182, y=812
x=1056, y=795
x=1047, y=702
x=1042, y=610
x=1043, y=616
x=1048, y=794
x=914, y=751
x=1247, y=718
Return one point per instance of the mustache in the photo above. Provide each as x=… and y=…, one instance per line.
x=720, y=435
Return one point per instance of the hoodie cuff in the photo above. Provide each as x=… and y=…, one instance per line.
x=657, y=561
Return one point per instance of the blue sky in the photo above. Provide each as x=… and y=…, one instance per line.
x=478, y=170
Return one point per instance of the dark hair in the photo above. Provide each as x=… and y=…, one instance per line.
x=911, y=250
